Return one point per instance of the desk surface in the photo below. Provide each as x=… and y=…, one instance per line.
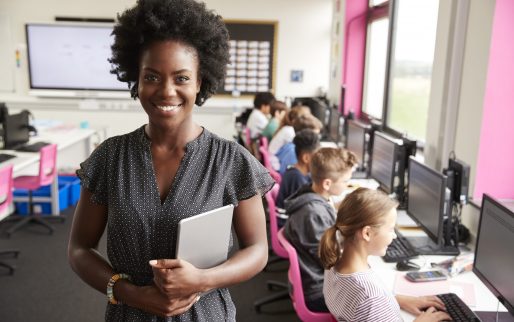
x=484, y=299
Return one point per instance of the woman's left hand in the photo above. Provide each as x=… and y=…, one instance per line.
x=176, y=278
x=415, y=305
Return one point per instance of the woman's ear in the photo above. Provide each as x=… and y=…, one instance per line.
x=366, y=233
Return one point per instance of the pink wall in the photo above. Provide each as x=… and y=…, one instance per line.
x=495, y=166
x=354, y=54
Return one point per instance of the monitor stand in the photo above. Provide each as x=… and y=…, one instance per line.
x=426, y=246
x=359, y=174
x=491, y=316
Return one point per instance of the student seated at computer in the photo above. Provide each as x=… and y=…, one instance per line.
x=279, y=109
x=311, y=213
x=285, y=133
x=258, y=119
x=306, y=142
x=353, y=292
x=286, y=156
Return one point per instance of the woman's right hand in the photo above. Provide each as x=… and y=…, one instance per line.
x=153, y=301
x=432, y=315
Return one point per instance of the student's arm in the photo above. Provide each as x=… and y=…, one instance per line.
x=88, y=225
x=179, y=278
x=414, y=305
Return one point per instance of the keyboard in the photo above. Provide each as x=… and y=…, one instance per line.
x=34, y=147
x=5, y=157
x=400, y=249
x=457, y=309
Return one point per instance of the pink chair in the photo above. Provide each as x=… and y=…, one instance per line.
x=264, y=142
x=280, y=253
x=5, y=201
x=47, y=174
x=267, y=164
x=296, y=291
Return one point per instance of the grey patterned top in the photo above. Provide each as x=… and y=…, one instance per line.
x=213, y=172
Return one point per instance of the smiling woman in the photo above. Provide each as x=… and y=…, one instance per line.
x=139, y=185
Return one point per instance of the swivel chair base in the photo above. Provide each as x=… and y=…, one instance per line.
x=23, y=221
x=10, y=267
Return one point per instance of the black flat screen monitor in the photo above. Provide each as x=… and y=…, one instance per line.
x=426, y=201
x=16, y=130
x=494, y=251
x=383, y=160
x=356, y=140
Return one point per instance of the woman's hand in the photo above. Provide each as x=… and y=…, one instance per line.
x=432, y=315
x=176, y=278
x=414, y=305
x=155, y=302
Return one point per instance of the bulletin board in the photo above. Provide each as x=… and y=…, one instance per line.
x=252, y=57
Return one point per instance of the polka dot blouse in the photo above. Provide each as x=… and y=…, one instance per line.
x=213, y=172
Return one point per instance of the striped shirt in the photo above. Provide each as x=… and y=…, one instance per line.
x=359, y=297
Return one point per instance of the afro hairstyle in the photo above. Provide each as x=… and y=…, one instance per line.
x=187, y=21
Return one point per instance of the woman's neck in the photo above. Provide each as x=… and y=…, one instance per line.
x=354, y=259
x=173, y=137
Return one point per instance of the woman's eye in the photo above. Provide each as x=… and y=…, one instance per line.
x=151, y=78
x=182, y=79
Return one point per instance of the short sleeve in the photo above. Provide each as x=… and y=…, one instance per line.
x=93, y=173
x=247, y=177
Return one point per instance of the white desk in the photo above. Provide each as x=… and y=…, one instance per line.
x=74, y=145
x=485, y=301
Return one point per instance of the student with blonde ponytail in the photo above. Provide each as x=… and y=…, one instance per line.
x=353, y=292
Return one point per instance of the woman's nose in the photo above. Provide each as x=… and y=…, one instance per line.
x=168, y=89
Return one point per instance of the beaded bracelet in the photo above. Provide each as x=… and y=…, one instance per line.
x=110, y=285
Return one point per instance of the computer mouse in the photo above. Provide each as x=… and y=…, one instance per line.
x=407, y=266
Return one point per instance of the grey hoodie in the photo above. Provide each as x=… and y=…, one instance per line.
x=309, y=216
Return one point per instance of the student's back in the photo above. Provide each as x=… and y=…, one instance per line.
x=309, y=216
x=292, y=180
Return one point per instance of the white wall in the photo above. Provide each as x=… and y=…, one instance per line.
x=303, y=32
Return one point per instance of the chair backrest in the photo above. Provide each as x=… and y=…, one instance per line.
x=264, y=142
x=278, y=249
x=5, y=187
x=296, y=287
x=47, y=164
x=267, y=164
x=248, y=137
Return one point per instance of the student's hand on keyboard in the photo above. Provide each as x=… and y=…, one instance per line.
x=415, y=305
x=432, y=315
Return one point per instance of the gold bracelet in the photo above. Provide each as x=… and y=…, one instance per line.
x=110, y=285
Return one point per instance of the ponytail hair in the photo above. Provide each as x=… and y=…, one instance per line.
x=329, y=249
x=363, y=207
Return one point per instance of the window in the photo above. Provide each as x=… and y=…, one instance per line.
x=411, y=66
x=375, y=68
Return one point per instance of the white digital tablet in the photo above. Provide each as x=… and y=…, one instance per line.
x=203, y=240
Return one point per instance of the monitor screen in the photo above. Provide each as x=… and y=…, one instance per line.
x=71, y=57
x=16, y=130
x=494, y=260
x=355, y=140
x=383, y=161
x=426, y=198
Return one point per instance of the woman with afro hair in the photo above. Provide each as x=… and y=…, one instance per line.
x=138, y=186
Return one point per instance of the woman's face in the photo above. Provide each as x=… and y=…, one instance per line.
x=383, y=235
x=168, y=82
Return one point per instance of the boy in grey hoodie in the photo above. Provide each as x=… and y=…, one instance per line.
x=311, y=212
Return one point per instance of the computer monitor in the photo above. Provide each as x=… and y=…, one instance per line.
x=428, y=205
x=385, y=161
x=357, y=141
x=16, y=130
x=494, y=260
x=335, y=125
